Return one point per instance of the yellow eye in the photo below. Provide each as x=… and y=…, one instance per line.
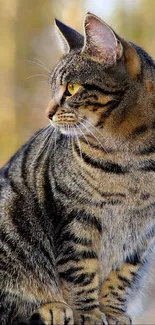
x=72, y=88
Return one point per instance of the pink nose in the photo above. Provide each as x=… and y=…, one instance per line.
x=55, y=102
x=51, y=109
x=50, y=114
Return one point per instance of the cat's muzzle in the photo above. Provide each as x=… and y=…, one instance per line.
x=64, y=119
x=61, y=116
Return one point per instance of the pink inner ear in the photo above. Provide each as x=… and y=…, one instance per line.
x=101, y=41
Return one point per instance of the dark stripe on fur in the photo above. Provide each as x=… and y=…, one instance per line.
x=87, y=291
x=147, y=151
x=102, y=90
x=67, y=236
x=122, y=310
x=84, y=278
x=106, y=166
x=148, y=166
x=89, y=220
x=125, y=281
x=88, y=308
x=87, y=300
x=96, y=104
x=133, y=259
x=111, y=106
x=139, y=130
x=121, y=288
x=70, y=271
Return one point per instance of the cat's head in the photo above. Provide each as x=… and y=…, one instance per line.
x=98, y=82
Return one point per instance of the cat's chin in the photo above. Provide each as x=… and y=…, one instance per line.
x=73, y=131
x=70, y=130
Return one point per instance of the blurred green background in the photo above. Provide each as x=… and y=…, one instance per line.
x=29, y=50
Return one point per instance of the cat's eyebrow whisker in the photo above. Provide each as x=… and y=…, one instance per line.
x=78, y=142
x=37, y=75
x=44, y=81
x=39, y=64
x=89, y=145
x=94, y=136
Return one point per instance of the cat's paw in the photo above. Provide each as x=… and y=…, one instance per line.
x=118, y=319
x=90, y=318
x=56, y=313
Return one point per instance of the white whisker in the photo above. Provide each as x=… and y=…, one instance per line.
x=69, y=134
x=39, y=64
x=45, y=143
x=42, y=130
x=37, y=75
x=93, y=136
x=43, y=63
x=78, y=142
x=55, y=141
x=55, y=145
x=44, y=81
x=46, y=147
x=89, y=145
x=72, y=147
x=92, y=126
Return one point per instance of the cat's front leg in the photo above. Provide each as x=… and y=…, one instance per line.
x=81, y=292
x=116, y=291
x=78, y=267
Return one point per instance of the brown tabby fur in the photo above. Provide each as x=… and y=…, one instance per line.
x=78, y=200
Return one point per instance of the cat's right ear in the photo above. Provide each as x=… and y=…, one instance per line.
x=70, y=39
x=103, y=45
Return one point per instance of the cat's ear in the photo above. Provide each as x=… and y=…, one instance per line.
x=70, y=38
x=104, y=46
x=101, y=44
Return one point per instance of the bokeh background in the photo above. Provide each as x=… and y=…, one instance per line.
x=28, y=52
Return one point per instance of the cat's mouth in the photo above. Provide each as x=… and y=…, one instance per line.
x=66, y=122
x=64, y=118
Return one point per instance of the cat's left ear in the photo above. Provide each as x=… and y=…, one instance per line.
x=70, y=38
x=104, y=46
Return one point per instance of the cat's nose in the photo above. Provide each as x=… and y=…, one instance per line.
x=54, y=103
x=50, y=115
x=51, y=109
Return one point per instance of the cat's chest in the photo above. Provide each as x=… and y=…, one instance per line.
x=122, y=202
x=117, y=239
x=133, y=189
x=124, y=229
x=127, y=214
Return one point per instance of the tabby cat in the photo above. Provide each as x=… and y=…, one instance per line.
x=78, y=199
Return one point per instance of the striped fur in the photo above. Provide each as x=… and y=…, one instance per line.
x=77, y=200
